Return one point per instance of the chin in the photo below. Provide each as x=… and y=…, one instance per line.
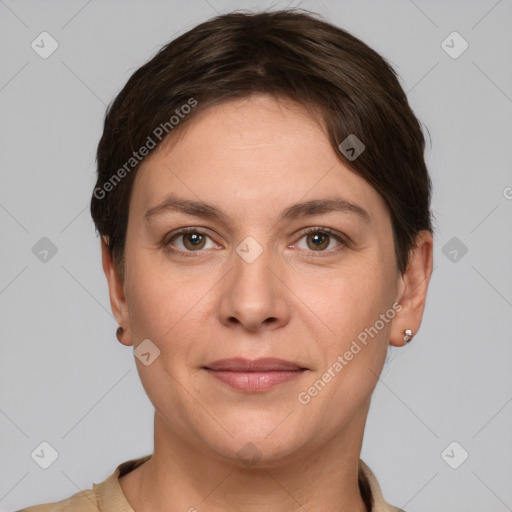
x=259, y=442
x=258, y=453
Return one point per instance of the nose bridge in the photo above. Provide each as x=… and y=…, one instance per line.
x=253, y=296
x=251, y=267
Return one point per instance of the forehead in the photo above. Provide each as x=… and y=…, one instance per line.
x=251, y=155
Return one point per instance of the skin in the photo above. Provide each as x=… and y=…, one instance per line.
x=252, y=159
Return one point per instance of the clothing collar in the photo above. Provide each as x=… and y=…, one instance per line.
x=111, y=497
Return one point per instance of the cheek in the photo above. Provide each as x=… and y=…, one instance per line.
x=346, y=300
x=353, y=356
x=166, y=304
x=353, y=353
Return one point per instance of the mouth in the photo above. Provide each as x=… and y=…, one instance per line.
x=254, y=375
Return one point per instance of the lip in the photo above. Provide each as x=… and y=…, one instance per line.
x=254, y=375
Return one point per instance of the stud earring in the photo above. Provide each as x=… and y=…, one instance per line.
x=119, y=332
x=408, y=335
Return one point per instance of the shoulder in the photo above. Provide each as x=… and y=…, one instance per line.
x=105, y=496
x=377, y=501
x=83, y=501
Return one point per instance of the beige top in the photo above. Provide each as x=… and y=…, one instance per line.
x=108, y=496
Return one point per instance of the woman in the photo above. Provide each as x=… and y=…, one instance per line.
x=264, y=211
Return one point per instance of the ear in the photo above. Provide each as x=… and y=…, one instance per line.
x=116, y=292
x=413, y=289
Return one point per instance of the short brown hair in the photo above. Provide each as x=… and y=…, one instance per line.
x=289, y=54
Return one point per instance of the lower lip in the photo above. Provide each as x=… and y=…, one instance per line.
x=255, y=381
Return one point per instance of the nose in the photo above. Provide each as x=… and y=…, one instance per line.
x=253, y=296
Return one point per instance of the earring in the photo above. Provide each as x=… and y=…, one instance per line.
x=119, y=332
x=408, y=335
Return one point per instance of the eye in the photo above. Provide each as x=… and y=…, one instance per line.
x=190, y=240
x=320, y=240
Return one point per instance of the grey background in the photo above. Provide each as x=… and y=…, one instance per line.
x=66, y=380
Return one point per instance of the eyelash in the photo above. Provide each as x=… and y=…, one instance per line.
x=166, y=242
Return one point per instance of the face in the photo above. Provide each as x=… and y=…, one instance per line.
x=260, y=308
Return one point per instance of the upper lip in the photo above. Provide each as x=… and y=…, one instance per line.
x=239, y=364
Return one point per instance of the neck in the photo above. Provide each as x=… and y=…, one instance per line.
x=181, y=477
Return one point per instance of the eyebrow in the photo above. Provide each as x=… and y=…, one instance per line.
x=298, y=210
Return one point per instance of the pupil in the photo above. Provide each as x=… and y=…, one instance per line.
x=319, y=241
x=316, y=238
x=195, y=238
